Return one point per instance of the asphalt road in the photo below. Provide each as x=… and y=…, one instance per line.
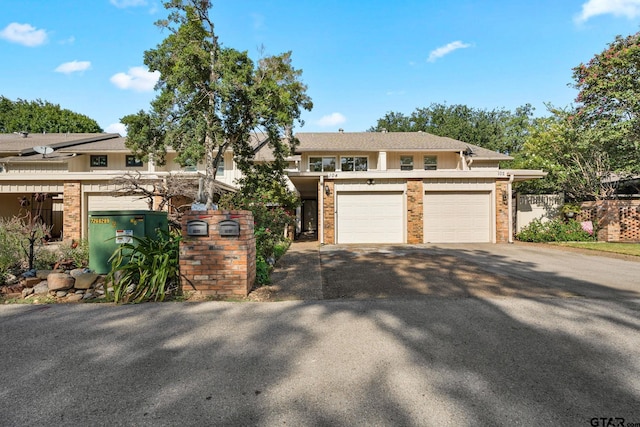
x=427, y=361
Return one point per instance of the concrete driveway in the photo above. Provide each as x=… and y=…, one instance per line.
x=474, y=270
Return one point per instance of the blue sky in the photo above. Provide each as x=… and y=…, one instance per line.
x=360, y=59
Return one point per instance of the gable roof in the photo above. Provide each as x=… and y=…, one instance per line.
x=388, y=141
x=22, y=145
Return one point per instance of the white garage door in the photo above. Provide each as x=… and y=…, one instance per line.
x=457, y=217
x=370, y=217
x=106, y=202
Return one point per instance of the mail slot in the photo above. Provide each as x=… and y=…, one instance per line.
x=229, y=227
x=197, y=227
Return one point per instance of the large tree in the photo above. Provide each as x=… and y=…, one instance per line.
x=609, y=103
x=41, y=116
x=213, y=98
x=570, y=154
x=497, y=129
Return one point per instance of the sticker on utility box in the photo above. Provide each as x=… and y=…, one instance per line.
x=124, y=236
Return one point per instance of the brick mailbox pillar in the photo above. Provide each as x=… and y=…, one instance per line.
x=218, y=252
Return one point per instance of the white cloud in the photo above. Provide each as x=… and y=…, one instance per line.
x=447, y=49
x=332, y=119
x=73, y=67
x=24, y=34
x=138, y=79
x=128, y=3
x=117, y=128
x=591, y=8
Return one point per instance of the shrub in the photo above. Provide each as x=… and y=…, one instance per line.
x=76, y=251
x=11, y=252
x=555, y=230
x=145, y=270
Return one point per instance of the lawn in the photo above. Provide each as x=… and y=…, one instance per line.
x=618, y=248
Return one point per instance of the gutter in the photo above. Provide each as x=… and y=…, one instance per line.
x=510, y=207
x=321, y=211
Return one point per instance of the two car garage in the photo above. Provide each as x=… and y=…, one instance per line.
x=381, y=216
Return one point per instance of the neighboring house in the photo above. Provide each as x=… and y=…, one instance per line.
x=368, y=187
x=78, y=176
x=379, y=187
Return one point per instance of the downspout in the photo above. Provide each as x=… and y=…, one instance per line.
x=510, y=207
x=321, y=212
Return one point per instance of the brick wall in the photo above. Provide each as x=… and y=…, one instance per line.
x=72, y=211
x=415, y=211
x=502, y=212
x=216, y=265
x=329, y=225
x=614, y=220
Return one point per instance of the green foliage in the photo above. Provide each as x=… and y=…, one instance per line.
x=42, y=116
x=609, y=101
x=262, y=271
x=76, y=251
x=214, y=98
x=10, y=249
x=555, y=230
x=145, y=270
x=499, y=129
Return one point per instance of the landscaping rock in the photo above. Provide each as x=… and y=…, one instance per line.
x=84, y=280
x=61, y=294
x=10, y=279
x=78, y=271
x=26, y=292
x=74, y=298
x=60, y=281
x=41, y=288
x=30, y=282
x=42, y=274
x=88, y=295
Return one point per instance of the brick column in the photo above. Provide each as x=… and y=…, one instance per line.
x=214, y=264
x=329, y=224
x=502, y=212
x=415, y=211
x=72, y=211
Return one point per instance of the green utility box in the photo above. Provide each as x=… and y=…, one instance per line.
x=110, y=229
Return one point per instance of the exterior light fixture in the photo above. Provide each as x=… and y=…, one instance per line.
x=327, y=190
x=371, y=181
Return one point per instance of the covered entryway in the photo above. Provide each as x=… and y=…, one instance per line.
x=370, y=217
x=457, y=217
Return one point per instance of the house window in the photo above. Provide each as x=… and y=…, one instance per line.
x=322, y=164
x=133, y=161
x=430, y=163
x=220, y=169
x=351, y=164
x=406, y=163
x=99, y=161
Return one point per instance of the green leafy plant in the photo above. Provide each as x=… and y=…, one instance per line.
x=262, y=271
x=555, y=230
x=76, y=251
x=145, y=270
x=10, y=248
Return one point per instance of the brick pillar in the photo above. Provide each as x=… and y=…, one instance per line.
x=72, y=211
x=215, y=264
x=502, y=212
x=415, y=211
x=329, y=224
